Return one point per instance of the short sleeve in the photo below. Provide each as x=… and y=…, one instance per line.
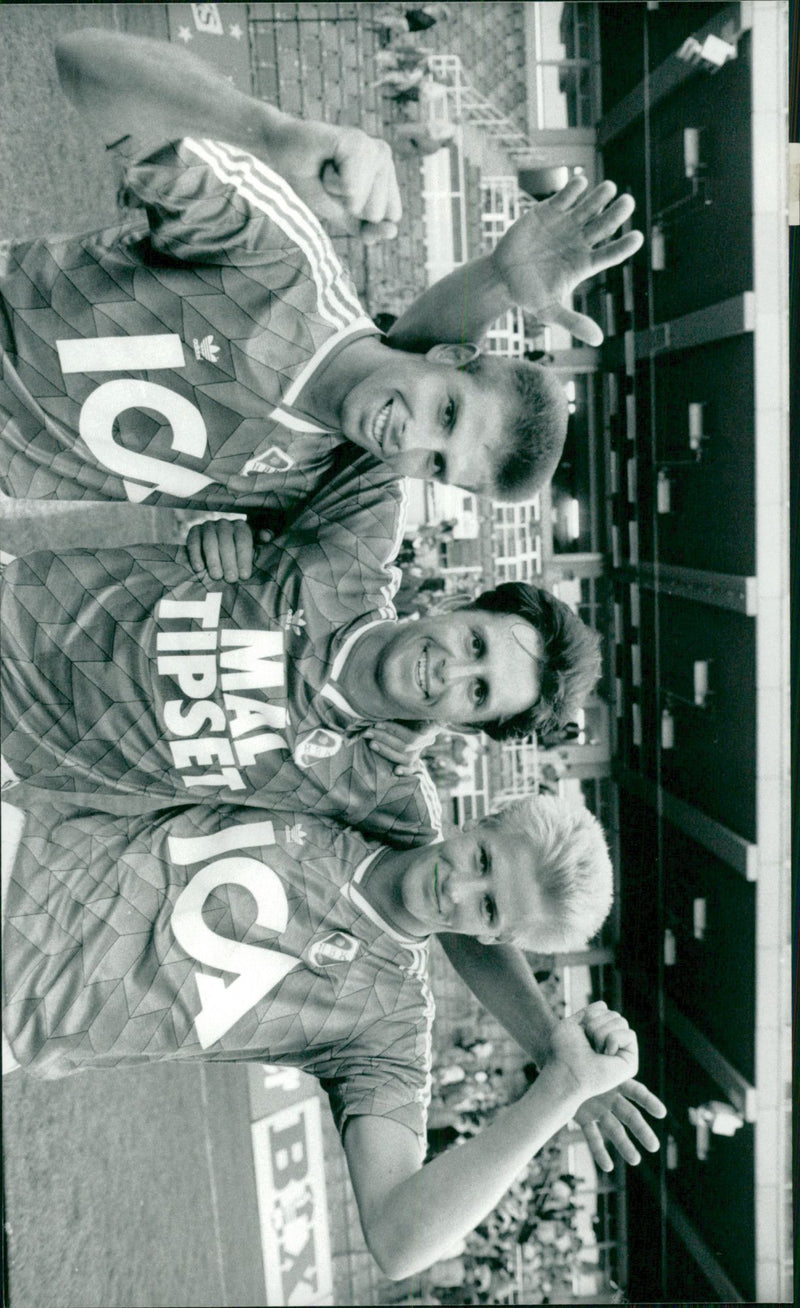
x=380, y=1088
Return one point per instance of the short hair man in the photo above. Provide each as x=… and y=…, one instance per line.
x=219, y=356
x=136, y=672
x=329, y=975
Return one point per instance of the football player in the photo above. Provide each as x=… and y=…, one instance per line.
x=216, y=354
x=235, y=934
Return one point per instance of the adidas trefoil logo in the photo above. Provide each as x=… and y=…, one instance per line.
x=206, y=349
x=295, y=620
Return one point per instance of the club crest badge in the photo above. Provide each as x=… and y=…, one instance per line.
x=273, y=459
x=337, y=947
x=318, y=744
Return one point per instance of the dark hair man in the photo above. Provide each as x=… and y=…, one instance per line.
x=327, y=974
x=218, y=355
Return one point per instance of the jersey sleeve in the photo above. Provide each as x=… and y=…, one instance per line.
x=388, y=1088
x=211, y=202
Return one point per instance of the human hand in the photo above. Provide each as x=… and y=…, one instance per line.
x=558, y=244
x=342, y=174
x=597, y=1049
x=606, y=1120
x=401, y=743
x=222, y=548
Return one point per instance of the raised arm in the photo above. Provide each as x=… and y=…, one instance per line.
x=411, y=1214
x=536, y=266
x=127, y=85
x=500, y=977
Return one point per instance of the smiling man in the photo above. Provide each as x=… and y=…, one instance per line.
x=129, y=674
x=216, y=354
x=235, y=934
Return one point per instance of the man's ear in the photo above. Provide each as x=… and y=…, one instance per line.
x=456, y=354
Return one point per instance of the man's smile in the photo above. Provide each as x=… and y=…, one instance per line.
x=380, y=423
x=422, y=672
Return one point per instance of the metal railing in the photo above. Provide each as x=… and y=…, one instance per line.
x=469, y=106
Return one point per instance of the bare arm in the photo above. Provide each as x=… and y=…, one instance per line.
x=157, y=92
x=537, y=264
x=411, y=1214
x=500, y=977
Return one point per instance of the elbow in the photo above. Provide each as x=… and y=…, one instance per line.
x=391, y=1252
x=70, y=55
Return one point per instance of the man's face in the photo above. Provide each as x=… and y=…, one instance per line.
x=464, y=667
x=480, y=883
x=426, y=418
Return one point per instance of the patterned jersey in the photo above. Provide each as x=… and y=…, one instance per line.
x=213, y=933
x=125, y=672
x=167, y=362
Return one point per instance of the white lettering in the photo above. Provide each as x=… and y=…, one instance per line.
x=185, y=850
x=248, y=714
x=102, y=408
x=206, y=610
x=227, y=777
x=260, y=656
x=246, y=750
x=196, y=674
x=202, y=750
x=120, y=353
x=186, y=640
x=257, y=969
x=196, y=717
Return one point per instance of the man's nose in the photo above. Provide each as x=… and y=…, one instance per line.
x=453, y=668
x=467, y=886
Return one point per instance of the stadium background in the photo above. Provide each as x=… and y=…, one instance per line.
x=109, y=1201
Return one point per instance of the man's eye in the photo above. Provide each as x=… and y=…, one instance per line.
x=438, y=466
x=479, y=693
x=484, y=862
x=449, y=413
x=489, y=909
x=476, y=644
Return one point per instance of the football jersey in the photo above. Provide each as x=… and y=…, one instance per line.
x=127, y=673
x=166, y=362
x=213, y=933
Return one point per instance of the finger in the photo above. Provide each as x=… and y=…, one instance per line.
x=211, y=558
x=194, y=546
x=600, y=1154
x=227, y=549
x=595, y=201
x=639, y=1094
x=617, y=1136
x=608, y=256
x=373, y=209
x=632, y=1119
x=578, y=325
x=243, y=540
x=607, y=223
x=593, y=1010
x=393, y=753
x=371, y=233
x=394, y=204
x=566, y=197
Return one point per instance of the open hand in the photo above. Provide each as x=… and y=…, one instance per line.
x=558, y=244
x=608, y=1118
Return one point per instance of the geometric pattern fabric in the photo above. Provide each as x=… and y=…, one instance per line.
x=135, y=683
x=134, y=939
x=162, y=360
